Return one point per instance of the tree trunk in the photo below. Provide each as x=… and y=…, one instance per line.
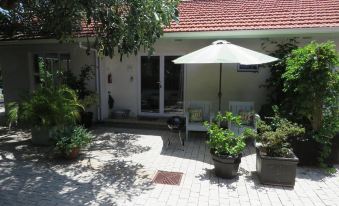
x=317, y=116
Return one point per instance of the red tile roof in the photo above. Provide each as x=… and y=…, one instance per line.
x=231, y=15
x=228, y=15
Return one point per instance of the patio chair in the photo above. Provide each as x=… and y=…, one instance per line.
x=196, y=113
x=247, y=113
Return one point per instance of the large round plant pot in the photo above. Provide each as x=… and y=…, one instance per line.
x=334, y=157
x=42, y=136
x=276, y=170
x=87, y=119
x=226, y=166
x=307, y=151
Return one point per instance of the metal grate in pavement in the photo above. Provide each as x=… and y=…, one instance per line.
x=167, y=178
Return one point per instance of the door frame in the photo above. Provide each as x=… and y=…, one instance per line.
x=162, y=89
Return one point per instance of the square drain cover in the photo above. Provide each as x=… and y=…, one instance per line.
x=167, y=178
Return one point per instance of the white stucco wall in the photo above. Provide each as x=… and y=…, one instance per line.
x=201, y=80
x=17, y=64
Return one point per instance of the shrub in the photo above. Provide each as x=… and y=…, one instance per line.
x=224, y=142
x=49, y=105
x=69, y=138
x=46, y=107
x=274, y=137
x=312, y=87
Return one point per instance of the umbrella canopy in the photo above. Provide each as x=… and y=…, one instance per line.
x=223, y=52
x=226, y=53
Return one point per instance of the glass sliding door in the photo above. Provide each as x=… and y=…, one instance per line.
x=150, y=84
x=174, y=83
x=162, y=86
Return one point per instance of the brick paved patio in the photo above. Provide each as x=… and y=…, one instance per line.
x=119, y=167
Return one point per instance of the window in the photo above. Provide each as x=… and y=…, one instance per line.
x=248, y=68
x=53, y=62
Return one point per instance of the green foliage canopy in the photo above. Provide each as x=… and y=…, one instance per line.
x=224, y=141
x=124, y=25
x=310, y=81
x=49, y=105
x=69, y=138
x=275, y=136
x=312, y=86
x=275, y=83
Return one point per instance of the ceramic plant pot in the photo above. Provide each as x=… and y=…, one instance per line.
x=73, y=154
x=276, y=170
x=226, y=166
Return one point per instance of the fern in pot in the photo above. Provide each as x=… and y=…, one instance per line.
x=70, y=140
x=276, y=163
x=49, y=107
x=226, y=147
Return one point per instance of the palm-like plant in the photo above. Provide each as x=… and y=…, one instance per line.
x=49, y=105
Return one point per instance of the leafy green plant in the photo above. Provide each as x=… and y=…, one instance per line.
x=274, y=137
x=224, y=142
x=79, y=84
x=310, y=80
x=89, y=100
x=49, y=105
x=69, y=138
x=275, y=83
x=312, y=87
x=123, y=26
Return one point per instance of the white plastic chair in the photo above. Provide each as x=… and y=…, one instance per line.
x=236, y=107
x=198, y=126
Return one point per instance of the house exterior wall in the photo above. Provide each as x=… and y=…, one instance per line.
x=201, y=81
x=16, y=62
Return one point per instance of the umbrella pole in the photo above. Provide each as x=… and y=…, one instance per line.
x=220, y=94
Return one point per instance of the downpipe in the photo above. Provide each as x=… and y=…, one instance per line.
x=97, y=77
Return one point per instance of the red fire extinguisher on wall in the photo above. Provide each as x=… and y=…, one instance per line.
x=109, y=78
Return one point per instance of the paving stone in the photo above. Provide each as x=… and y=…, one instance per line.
x=118, y=168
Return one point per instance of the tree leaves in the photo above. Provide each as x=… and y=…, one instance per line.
x=122, y=26
x=309, y=80
x=224, y=141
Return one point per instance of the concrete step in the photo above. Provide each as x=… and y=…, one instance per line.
x=142, y=123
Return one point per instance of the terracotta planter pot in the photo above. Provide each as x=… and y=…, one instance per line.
x=276, y=170
x=73, y=154
x=226, y=167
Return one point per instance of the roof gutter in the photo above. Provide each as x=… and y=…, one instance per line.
x=253, y=33
x=39, y=41
x=236, y=34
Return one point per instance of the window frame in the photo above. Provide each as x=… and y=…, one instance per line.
x=35, y=70
x=250, y=68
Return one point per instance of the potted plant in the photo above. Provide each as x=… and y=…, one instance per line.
x=276, y=163
x=86, y=115
x=87, y=97
x=47, y=108
x=69, y=140
x=225, y=146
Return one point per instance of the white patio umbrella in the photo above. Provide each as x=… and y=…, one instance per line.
x=223, y=52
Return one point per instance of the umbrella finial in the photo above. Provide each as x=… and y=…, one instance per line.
x=220, y=42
